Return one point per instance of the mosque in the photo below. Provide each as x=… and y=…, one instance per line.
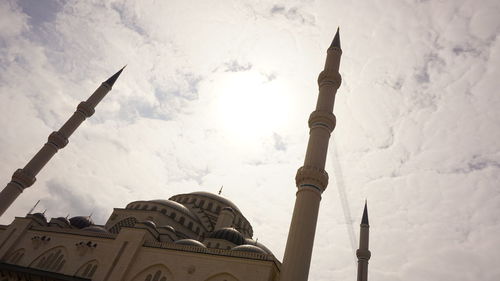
x=196, y=236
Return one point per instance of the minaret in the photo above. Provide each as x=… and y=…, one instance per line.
x=363, y=253
x=25, y=177
x=312, y=179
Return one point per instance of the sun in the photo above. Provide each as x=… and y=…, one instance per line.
x=250, y=105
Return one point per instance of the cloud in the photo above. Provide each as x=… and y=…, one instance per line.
x=417, y=118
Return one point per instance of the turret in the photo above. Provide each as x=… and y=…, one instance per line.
x=363, y=253
x=26, y=177
x=311, y=178
x=225, y=218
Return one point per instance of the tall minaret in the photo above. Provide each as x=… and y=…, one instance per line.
x=312, y=178
x=363, y=253
x=24, y=178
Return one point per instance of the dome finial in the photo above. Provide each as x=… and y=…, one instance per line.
x=336, y=40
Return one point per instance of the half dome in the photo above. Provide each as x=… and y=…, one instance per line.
x=229, y=234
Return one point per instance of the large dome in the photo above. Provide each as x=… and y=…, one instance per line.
x=215, y=197
x=229, y=234
x=167, y=203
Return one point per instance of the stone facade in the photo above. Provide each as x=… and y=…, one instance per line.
x=156, y=240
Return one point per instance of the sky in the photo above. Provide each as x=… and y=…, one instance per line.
x=218, y=93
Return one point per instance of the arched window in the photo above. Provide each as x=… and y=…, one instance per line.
x=190, y=225
x=137, y=207
x=163, y=211
x=210, y=205
x=181, y=220
x=172, y=215
x=217, y=209
x=145, y=207
x=153, y=208
x=202, y=202
x=197, y=230
x=51, y=260
x=87, y=270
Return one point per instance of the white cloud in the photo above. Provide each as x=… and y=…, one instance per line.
x=417, y=114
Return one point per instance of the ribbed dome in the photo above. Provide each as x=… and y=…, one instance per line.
x=228, y=233
x=174, y=205
x=95, y=228
x=81, y=222
x=190, y=242
x=218, y=198
x=249, y=248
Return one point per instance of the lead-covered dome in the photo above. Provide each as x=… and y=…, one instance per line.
x=81, y=221
x=95, y=228
x=223, y=200
x=190, y=242
x=249, y=248
x=229, y=234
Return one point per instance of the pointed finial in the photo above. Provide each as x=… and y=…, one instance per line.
x=111, y=80
x=220, y=190
x=32, y=209
x=364, y=220
x=336, y=40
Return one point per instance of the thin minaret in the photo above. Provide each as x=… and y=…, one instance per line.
x=312, y=179
x=363, y=253
x=26, y=177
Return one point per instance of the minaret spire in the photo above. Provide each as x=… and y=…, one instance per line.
x=336, y=40
x=363, y=253
x=26, y=177
x=312, y=179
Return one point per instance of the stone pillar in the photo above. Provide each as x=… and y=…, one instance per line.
x=26, y=177
x=312, y=179
x=363, y=253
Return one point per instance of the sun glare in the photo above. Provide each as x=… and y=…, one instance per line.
x=250, y=106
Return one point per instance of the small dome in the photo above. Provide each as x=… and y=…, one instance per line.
x=81, y=221
x=249, y=248
x=95, y=228
x=190, y=242
x=149, y=224
x=63, y=220
x=228, y=233
x=40, y=216
x=168, y=227
x=249, y=241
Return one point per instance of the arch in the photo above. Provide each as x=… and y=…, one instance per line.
x=51, y=260
x=130, y=221
x=222, y=277
x=88, y=269
x=157, y=272
x=16, y=256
